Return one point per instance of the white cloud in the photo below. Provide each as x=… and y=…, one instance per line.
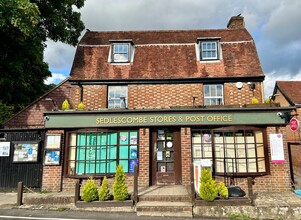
x=271, y=78
x=274, y=25
x=55, y=78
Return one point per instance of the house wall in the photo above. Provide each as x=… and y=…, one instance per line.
x=159, y=96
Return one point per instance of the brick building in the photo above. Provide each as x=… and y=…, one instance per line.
x=159, y=99
x=288, y=93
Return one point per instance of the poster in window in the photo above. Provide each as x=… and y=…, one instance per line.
x=133, y=140
x=52, y=157
x=53, y=141
x=133, y=163
x=133, y=152
x=4, y=149
x=277, y=152
x=26, y=152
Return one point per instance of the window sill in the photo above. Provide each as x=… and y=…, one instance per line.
x=210, y=61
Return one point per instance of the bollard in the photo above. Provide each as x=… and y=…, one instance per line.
x=20, y=193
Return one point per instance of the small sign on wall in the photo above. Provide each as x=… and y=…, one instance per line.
x=4, y=149
x=277, y=152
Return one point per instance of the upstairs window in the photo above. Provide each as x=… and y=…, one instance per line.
x=213, y=94
x=122, y=51
x=117, y=96
x=208, y=49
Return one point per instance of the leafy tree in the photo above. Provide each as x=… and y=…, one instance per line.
x=25, y=25
x=6, y=112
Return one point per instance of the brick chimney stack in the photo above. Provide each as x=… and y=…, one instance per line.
x=236, y=22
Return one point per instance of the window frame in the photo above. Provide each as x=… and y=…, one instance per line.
x=213, y=97
x=217, y=49
x=129, y=52
x=120, y=53
x=237, y=158
x=117, y=98
x=74, y=149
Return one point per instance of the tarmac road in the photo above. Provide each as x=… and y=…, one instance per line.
x=28, y=214
x=71, y=215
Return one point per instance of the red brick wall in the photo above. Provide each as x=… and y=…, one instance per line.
x=186, y=155
x=235, y=96
x=144, y=151
x=52, y=174
x=279, y=179
x=32, y=116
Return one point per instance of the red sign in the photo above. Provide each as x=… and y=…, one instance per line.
x=294, y=124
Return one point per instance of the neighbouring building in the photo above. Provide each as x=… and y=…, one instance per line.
x=159, y=99
x=288, y=93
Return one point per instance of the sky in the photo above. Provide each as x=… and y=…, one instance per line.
x=275, y=26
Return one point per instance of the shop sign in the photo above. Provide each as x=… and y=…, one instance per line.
x=277, y=152
x=294, y=124
x=164, y=119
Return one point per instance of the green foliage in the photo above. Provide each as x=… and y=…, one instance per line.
x=104, y=191
x=65, y=105
x=268, y=100
x=208, y=188
x=223, y=190
x=90, y=192
x=254, y=100
x=81, y=106
x=120, y=189
x=25, y=25
x=6, y=112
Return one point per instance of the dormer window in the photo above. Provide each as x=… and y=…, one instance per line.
x=122, y=51
x=208, y=49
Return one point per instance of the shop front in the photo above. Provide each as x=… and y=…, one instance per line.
x=165, y=143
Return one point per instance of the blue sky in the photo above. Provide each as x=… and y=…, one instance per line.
x=274, y=24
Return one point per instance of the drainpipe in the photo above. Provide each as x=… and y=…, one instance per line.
x=81, y=92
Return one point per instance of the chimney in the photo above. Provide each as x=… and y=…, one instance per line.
x=236, y=22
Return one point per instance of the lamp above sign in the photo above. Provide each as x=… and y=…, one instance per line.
x=294, y=124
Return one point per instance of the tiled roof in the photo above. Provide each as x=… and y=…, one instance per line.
x=291, y=90
x=165, y=55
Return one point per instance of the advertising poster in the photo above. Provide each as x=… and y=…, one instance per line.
x=277, y=152
x=52, y=157
x=4, y=149
x=25, y=152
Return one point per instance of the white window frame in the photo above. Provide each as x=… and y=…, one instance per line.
x=118, y=51
x=199, y=48
x=209, y=50
x=219, y=99
x=117, y=97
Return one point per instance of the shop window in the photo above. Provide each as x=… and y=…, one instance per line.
x=232, y=152
x=213, y=94
x=99, y=152
x=117, y=96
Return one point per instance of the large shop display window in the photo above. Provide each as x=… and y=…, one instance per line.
x=232, y=151
x=99, y=152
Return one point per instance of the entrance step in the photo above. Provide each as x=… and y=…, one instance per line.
x=169, y=201
x=164, y=208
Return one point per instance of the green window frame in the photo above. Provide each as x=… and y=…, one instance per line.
x=98, y=152
x=232, y=151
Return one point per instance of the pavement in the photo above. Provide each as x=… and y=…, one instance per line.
x=284, y=204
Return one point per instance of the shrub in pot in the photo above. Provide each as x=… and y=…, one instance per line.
x=104, y=191
x=120, y=189
x=90, y=192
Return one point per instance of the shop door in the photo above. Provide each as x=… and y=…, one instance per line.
x=166, y=157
